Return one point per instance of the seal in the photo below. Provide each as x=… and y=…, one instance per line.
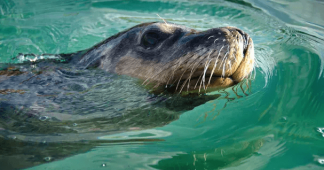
x=175, y=57
x=62, y=95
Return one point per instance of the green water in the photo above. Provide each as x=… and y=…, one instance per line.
x=277, y=126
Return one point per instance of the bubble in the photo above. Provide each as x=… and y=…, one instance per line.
x=257, y=153
x=103, y=165
x=47, y=159
x=43, y=118
x=320, y=130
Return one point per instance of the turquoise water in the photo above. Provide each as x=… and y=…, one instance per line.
x=278, y=125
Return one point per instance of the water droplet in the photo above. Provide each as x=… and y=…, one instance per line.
x=14, y=137
x=103, y=165
x=44, y=142
x=75, y=124
x=321, y=161
x=320, y=130
x=47, y=159
x=257, y=153
x=43, y=118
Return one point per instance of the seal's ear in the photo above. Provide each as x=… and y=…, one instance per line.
x=246, y=65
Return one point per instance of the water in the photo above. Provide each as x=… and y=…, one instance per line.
x=279, y=125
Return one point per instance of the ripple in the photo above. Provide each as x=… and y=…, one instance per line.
x=71, y=111
x=144, y=134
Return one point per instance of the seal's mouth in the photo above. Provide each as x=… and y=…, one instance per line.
x=201, y=80
x=218, y=68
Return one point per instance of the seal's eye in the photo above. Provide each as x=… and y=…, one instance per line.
x=150, y=39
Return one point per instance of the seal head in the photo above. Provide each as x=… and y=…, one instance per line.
x=176, y=57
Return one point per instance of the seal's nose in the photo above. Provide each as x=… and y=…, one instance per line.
x=240, y=31
x=245, y=37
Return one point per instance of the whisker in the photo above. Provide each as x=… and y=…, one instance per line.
x=200, y=84
x=177, y=66
x=198, y=80
x=214, y=66
x=203, y=77
x=223, y=71
x=197, y=56
x=146, y=82
x=230, y=66
x=166, y=69
x=234, y=52
x=223, y=74
x=149, y=79
x=188, y=79
x=162, y=19
x=191, y=73
x=205, y=69
x=185, y=72
x=210, y=37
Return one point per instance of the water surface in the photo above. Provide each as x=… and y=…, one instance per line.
x=278, y=125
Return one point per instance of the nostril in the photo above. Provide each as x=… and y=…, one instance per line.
x=240, y=31
x=245, y=38
x=243, y=34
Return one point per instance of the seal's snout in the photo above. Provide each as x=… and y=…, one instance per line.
x=247, y=64
x=228, y=60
